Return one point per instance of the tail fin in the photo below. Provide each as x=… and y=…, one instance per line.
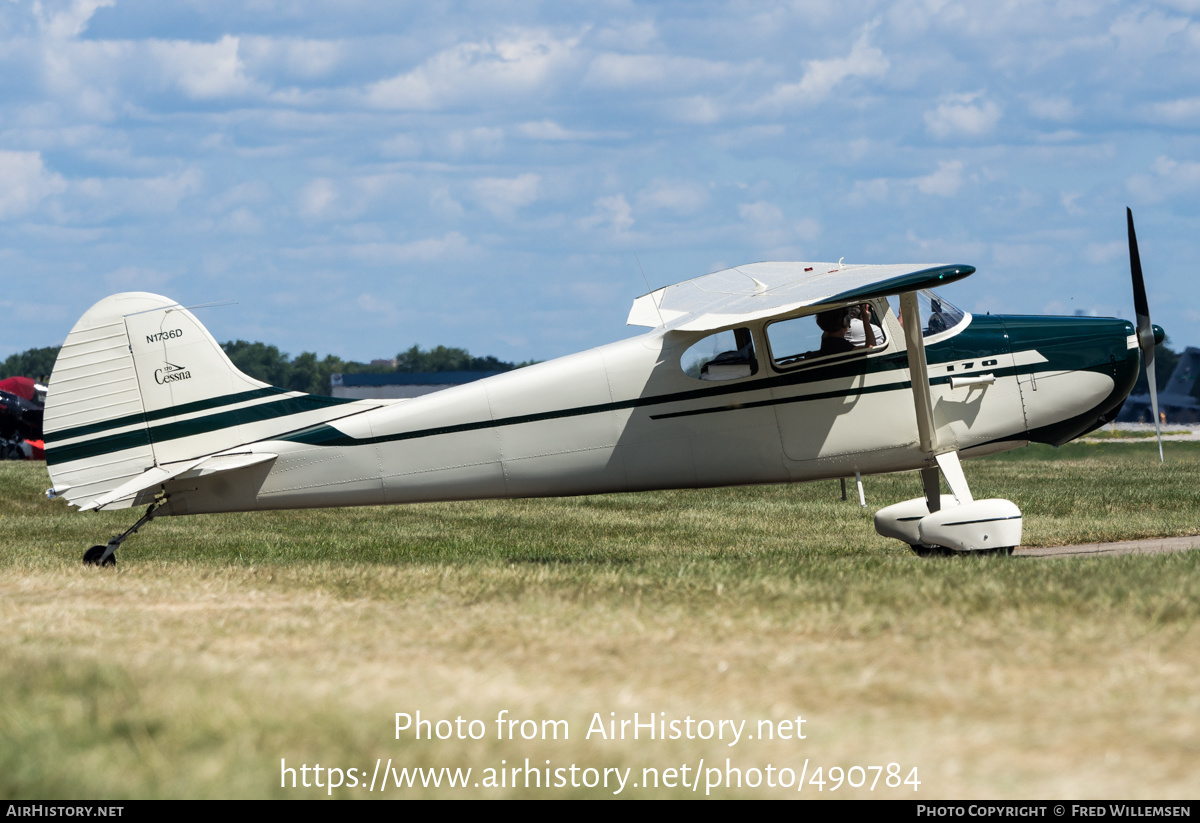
x=141, y=389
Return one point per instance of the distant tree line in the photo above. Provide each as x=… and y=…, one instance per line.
x=32, y=363
x=305, y=372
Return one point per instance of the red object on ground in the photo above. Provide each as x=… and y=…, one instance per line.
x=22, y=387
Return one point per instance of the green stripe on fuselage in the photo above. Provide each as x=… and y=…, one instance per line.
x=170, y=411
x=285, y=407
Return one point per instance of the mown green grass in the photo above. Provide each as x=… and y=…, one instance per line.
x=223, y=643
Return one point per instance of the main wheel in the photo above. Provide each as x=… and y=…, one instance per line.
x=92, y=556
x=1000, y=551
x=931, y=551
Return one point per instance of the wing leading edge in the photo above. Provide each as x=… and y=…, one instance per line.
x=760, y=290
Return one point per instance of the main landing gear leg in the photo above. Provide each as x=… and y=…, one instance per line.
x=107, y=555
x=938, y=524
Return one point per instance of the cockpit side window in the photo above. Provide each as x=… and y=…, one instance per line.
x=726, y=355
x=844, y=330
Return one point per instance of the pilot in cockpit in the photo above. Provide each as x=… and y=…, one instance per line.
x=836, y=325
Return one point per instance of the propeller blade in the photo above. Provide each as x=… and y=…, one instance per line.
x=1154, y=399
x=1145, y=329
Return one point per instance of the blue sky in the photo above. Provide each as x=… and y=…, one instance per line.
x=360, y=177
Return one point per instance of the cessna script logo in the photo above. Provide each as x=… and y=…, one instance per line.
x=170, y=373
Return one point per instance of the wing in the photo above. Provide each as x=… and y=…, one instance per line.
x=759, y=290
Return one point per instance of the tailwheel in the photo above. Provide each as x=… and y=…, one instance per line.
x=95, y=556
x=106, y=555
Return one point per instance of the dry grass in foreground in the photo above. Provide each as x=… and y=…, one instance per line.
x=222, y=645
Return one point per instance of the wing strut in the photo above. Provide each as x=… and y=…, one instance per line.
x=918, y=371
x=959, y=523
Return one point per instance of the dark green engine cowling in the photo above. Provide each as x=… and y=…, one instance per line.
x=1069, y=346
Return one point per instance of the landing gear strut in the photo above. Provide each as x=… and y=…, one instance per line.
x=106, y=555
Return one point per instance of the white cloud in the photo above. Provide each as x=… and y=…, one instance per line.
x=318, y=198
x=151, y=197
x=868, y=191
x=1059, y=109
x=614, y=211
x=678, y=196
x=1169, y=179
x=289, y=57
x=1100, y=253
x=517, y=66
x=944, y=182
x=1185, y=110
x=242, y=221
x=655, y=72
x=25, y=182
x=502, y=196
x=636, y=35
x=807, y=229
x=345, y=198
x=203, y=70
x=137, y=278
x=761, y=215
x=551, y=131
x=769, y=227
x=449, y=246
x=821, y=77
x=479, y=140
x=167, y=191
x=748, y=135
x=697, y=109
x=962, y=115
x=402, y=145
x=442, y=203
x=68, y=22
x=1147, y=33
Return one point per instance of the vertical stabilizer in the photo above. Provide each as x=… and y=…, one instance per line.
x=140, y=388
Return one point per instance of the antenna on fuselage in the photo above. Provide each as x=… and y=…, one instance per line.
x=649, y=291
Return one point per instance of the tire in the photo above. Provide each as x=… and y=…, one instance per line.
x=92, y=556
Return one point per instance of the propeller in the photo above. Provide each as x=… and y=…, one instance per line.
x=1145, y=330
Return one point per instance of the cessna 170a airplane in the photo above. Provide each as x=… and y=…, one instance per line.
x=735, y=383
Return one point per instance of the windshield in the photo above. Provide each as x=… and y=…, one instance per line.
x=937, y=313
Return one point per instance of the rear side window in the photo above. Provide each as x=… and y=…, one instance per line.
x=726, y=355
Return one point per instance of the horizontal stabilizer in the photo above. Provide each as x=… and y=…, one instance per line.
x=158, y=475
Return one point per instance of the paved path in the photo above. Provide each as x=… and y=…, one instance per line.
x=1156, y=545
x=1184, y=431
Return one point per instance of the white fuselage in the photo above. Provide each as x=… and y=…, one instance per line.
x=625, y=417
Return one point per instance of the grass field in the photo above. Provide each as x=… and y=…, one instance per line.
x=222, y=645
